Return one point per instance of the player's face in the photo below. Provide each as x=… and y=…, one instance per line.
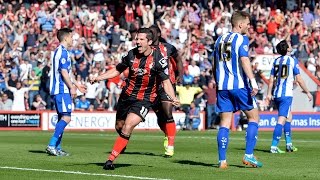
x=143, y=43
x=69, y=39
x=244, y=25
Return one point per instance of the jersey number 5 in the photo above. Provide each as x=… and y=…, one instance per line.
x=283, y=72
x=225, y=51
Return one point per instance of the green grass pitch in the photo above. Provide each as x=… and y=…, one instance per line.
x=22, y=156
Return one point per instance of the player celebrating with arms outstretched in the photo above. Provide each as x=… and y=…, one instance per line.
x=232, y=74
x=283, y=72
x=147, y=68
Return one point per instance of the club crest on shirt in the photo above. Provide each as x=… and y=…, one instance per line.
x=63, y=60
x=163, y=62
x=245, y=47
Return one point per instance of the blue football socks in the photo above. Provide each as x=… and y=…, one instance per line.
x=223, y=140
x=251, y=137
x=287, y=132
x=58, y=144
x=276, y=135
x=58, y=133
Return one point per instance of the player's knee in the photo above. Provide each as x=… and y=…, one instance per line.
x=66, y=118
x=124, y=136
x=253, y=115
x=119, y=124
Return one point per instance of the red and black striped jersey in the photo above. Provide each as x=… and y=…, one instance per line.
x=145, y=74
x=169, y=51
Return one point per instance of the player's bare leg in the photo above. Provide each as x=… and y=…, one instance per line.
x=121, y=142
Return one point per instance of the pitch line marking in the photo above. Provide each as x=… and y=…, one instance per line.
x=80, y=173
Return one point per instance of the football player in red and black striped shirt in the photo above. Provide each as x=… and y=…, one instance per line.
x=147, y=68
x=163, y=107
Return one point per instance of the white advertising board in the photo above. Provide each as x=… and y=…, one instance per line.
x=106, y=121
x=265, y=61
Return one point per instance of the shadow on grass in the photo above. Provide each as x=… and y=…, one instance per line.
x=37, y=151
x=117, y=165
x=141, y=153
x=194, y=163
x=256, y=150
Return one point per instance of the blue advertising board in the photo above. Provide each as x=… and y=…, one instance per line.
x=300, y=121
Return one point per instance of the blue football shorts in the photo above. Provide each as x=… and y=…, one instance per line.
x=63, y=103
x=284, y=105
x=235, y=100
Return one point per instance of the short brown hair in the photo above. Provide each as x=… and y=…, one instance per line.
x=147, y=31
x=238, y=16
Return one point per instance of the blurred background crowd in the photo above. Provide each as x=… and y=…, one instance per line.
x=103, y=31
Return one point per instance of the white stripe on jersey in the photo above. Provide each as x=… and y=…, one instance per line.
x=230, y=72
x=284, y=86
x=241, y=80
x=57, y=85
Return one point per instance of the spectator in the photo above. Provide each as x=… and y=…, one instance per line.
x=147, y=13
x=5, y=103
x=83, y=104
x=187, y=95
x=19, y=95
x=38, y=103
x=311, y=64
x=193, y=118
x=193, y=69
x=211, y=97
x=92, y=91
x=187, y=78
x=35, y=81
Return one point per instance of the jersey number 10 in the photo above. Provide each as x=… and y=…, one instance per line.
x=283, y=72
x=225, y=51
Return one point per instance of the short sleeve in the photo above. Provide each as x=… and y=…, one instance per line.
x=63, y=60
x=296, y=69
x=244, y=47
x=272, y=73
x=125, y=61
x=162, y=68
x=173, y=51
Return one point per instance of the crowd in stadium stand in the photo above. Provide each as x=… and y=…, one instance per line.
x=103, y=33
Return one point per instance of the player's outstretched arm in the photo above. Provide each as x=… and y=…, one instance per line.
x=246, y=65
x=107, y=75
x=170, y=91
x=303, y=86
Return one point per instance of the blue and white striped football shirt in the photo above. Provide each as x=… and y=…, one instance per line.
x=61, y=60
x=284, y=69
x=228, y=50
